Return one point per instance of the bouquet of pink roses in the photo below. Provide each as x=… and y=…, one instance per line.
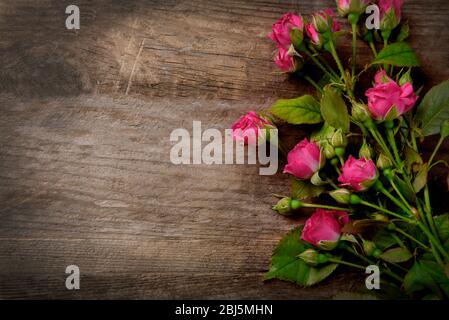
x=362, y=163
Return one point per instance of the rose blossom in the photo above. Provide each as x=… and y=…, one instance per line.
x=248, y=128
x=385, y=7
x=351, y=6
x=323, y=228
x=359, y=174
x=343, y=5
x=284, y=61
x=324, y=21
x=387, y=94
x=304, y=160
x=280, y=31
x=313, y=35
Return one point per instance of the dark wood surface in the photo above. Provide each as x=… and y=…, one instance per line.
x=85, y=120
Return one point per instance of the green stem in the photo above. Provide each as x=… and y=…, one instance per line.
x=428, y=211
x=373, y=48
x=319, y=64
x=390, y=273
x=337, y=60
x=380, y=141
x=393, y=199
x=396, y=189
x=434, y=242
x=391, y=213
x=392, y=141
x=322, y=206
x=412, y=134
x=354, y=265
x=354, y=47
x=435, y=150
x=325, y=63
x=412, y=238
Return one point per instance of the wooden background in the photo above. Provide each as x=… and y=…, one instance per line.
x=85, y=119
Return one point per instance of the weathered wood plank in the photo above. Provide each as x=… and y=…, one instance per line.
x=85, y=119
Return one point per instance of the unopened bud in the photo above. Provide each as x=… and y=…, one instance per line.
x=368, y=247
x=339, y=139
x=406, y=78
x=341, y=195
x=310, y=256
x=283, y=206
x=365, y=151
x=360, y=112
x=383, y=162
x=328, y=151
x=379, y=217
x=316, y=180
x=444, y=129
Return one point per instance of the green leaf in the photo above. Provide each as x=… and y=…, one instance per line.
x=404, y=32
x=383, y=239
x=285, y=264
x=302, y=110
x=446, y=270
x=421, y=178
x=334, y=110
x=442, y=226
x=407, y=191
x=304, y=190
x=434, y=109
x=418, y=279
x=412, y=158
x=437, y=273
x=396, y=255
x=397, y=54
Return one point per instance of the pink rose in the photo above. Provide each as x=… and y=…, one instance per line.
x=323, y=228
x=284, y=61
x=313, y=35
x=390, y=13
x=359, y=174
x=304, y=160
x=324, y=21
x=343, y=5
x=249, y=128
x=280, y=32
x=351, y=6
x=387, y=94
x=386, y=5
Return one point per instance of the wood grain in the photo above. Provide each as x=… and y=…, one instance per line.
x=85, y=120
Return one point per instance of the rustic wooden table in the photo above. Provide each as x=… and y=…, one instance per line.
x=85, y=120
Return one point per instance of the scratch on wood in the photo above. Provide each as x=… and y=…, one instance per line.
x=134, y=66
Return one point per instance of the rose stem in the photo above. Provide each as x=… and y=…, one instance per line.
x=322, y=206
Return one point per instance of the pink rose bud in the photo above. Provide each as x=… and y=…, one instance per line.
x=323, y=228
x=280, y=31
x=390, y=13
x=324, y=21
x=359, y=174
x=284, y=61
x=343, y=5
x=249, y=128
x=346, y=7
x=314, y=36
x=304, y=160
x=387, y=100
